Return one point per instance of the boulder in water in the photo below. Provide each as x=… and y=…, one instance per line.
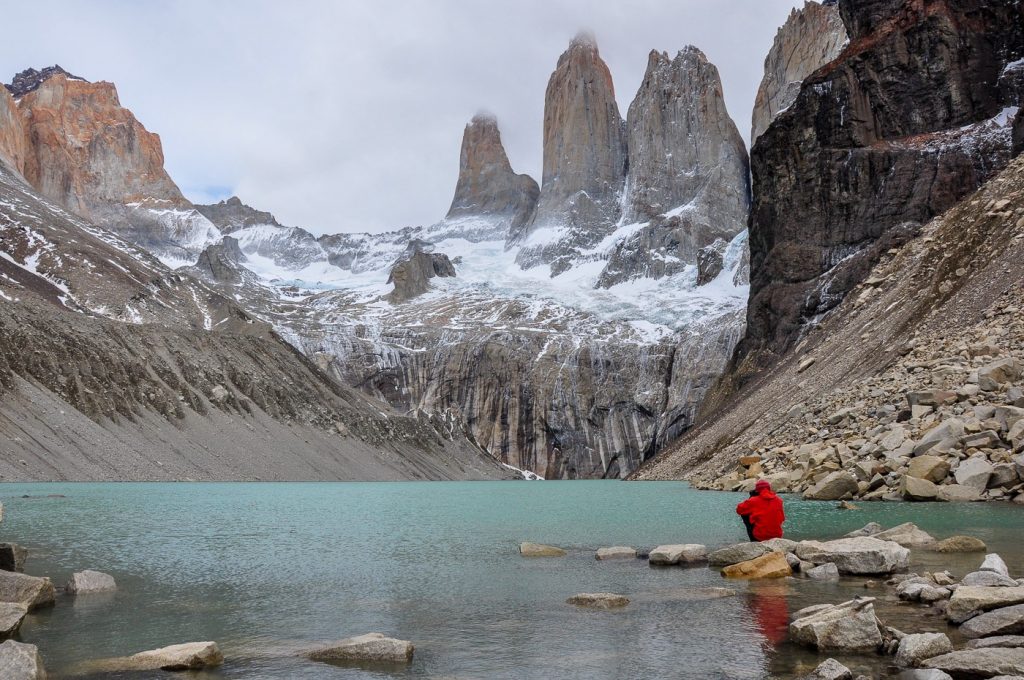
x=969, y=601
x=848, y=627
x=980, y=663
x=616, y=553
x=32, y=591
x=1004, y=621
x=11, y=616
x=189, y=656
x=958, y=544
x=919, y=647
x=683, y=553
x=864, y=555
x=370, y=648
x=824, y=572
x=90, y=581
x=599, y=600
x=771, y=565
x=19, y=661
x=734, y=554
x=830, y=669
x=12, y=557
x=540, y=550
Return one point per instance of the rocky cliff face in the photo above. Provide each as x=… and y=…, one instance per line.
x=812, y=37
x=585, y=157
x=90, y=155
x=688, y=170
x=487, y=188
x=905, y=123
x=13, y=140
x=231, y=215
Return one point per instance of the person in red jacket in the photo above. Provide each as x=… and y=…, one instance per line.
x=762, y=513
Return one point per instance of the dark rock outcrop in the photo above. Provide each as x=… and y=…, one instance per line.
x=812, y=37
x=221, y=262
x=412, y=273
x=488, y=188
x=907, y=121
x=585, y=156
x=30, y=79
x=231, y=215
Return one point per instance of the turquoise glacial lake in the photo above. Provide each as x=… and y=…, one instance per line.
x=268, y=570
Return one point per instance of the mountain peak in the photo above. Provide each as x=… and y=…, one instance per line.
x=30, y=79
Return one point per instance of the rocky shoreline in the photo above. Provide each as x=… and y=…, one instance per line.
x=985, y=606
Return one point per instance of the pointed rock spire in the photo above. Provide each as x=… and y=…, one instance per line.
x=487, y=186
x=584, y=144
x=684, y=149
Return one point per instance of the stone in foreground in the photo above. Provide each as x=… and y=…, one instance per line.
x=89, y=581
x=830, y=669
x=540, y=550
x=988, y=579
x=11, y=616
x=994, y=562
x=848, y=627
x=980, y=663
x=32, y=591
x=997, y=641
x=824, y=572
x=969, y=601
x=12, y=557
x=858, y=556
x=189, y=656
x=772, y=565
x=19, y=661
x=598, y=600
x=369, y=648
x=617, y=552
x=734, y=554
x=919, y=647
x=683, y=553
x=959, y=544
x=1004, y=621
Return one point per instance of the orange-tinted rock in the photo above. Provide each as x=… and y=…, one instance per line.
x=488, y=188
x=13, y=140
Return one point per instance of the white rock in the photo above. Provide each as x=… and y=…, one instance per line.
x=615, y=553
x=916, y=648
x=993, y=562
x=371, y=647
x=684, y=553
x=19, y=661
x=90, y=581
x=848, y=627
x=864, y=555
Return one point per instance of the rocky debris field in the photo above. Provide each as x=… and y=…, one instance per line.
x=945, y=423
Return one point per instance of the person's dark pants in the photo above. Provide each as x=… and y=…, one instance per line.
x=750, y=528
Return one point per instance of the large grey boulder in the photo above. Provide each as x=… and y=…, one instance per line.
x=12, y=557
x=830, y=669
x=942, y=438
x=11, y=616
x=90, y=581
x=824, y=572
x=993, y=562
x=189, y=656
x=988, y=579
x=683, y=553
x=19, y=661
x=371, y=647
x=734, y=554
x=848, y=627
x=916, y=489
x=954, y=493
x=1002, y=372
x=974, y=473
x=32, y=591
x=1004, y=621
x=908, y=535
x=598, y=600
x=864, y=555
x=969, y=601
x=1008, y=641
x=918, y=647
x=980, y=663
x=615, y=553
x=834, y=487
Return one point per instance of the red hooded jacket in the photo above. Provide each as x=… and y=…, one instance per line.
x=765, y=514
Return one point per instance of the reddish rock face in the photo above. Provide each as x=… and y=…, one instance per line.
x=812, y=37
x=13, y=141
x=487, y=186
x=87, y=151
x=584, y=151
x=913, y=116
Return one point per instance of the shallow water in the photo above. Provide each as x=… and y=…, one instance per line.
x=267, y=570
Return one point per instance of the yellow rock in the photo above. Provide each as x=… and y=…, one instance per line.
x=772, y=565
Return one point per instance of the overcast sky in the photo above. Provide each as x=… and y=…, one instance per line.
x=348, y=115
